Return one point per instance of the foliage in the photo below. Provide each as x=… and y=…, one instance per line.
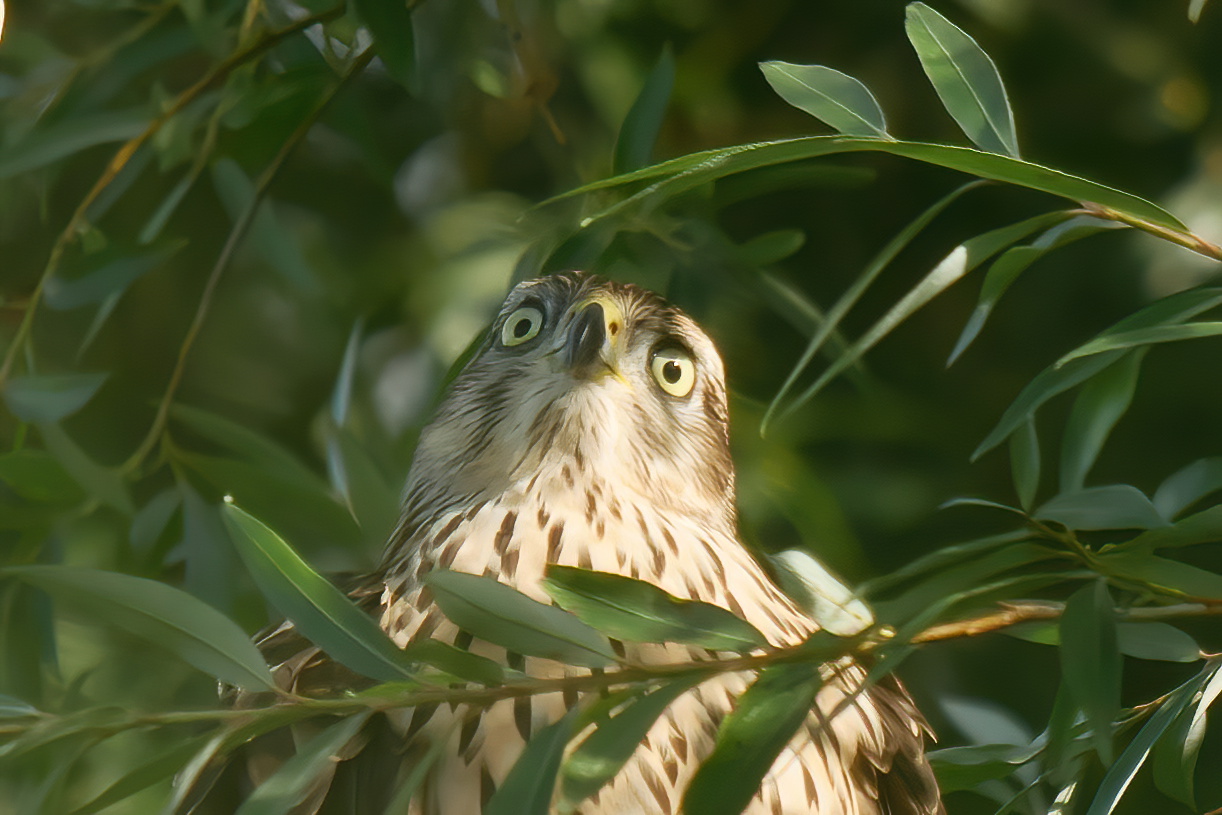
x=243, y=242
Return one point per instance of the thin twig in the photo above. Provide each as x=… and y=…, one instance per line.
x=125, y=154
x=240, y=227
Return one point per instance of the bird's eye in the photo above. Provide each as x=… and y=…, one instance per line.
x=674, y=371
x=522, y=326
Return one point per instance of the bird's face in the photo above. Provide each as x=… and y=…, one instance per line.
x=605, y=379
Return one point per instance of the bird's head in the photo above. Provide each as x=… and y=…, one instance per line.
x=603, y=380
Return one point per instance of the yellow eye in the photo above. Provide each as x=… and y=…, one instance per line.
x=521, y=326
x=674, y=371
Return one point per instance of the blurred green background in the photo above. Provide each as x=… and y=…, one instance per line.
x=401, y=217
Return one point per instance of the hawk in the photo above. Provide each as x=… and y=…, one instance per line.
x=590, y=429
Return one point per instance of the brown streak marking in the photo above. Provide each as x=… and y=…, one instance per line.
x=655, y=786
x=509, y=563
x=505, y=533
x=553, y=542
x=670, y=540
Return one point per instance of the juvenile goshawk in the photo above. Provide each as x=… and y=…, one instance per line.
x=590, y=429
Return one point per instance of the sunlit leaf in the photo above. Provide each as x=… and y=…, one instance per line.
x=1116, y=506
x=159, y=613
x=499, y=614
x=295, y=778
x=636, y=611
x=528, y=788
x=1012, y=263
x=965, y=78
x=940, y=559
x=1090, y=660
x=750, y=738
x=829, y=324
x=318, y=609
x=965, y=768
x=11, y=707
x=50, y=397
x=605, y=751
x=639, y=132
x=1195, y=7
x=834, y=98
x=1203, y=527
x=1185, y=487
x=1100, y=404
x=832, y=604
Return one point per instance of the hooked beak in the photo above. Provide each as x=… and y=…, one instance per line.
x=592, y=348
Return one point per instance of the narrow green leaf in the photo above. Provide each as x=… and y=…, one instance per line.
x=320, y=610
x=1100, y=404
x=1054, y=380
x=1120, y=774
x=390, y=23
x=1152, y=641
x=833, y=605
x=279, y=247
x=501, y=615
x=289, y=785
x=160, y=614
x=414, y=780
x=1185, y=487
x=529, y=787
x=455, y=661
x=639, y=132
x=1090, y=660
x=688, y=172
x=941, y=559
x=1116, y=506
x=50, y=397
x=962, y=259
x=113, y=271
x=368, y=493
x=1175, y=754
x=965, y=768
x=605, y=751
x=1203, y=527
x=836, y=99
x=770, y=247
x=965, y=78
x=1025, y=463
x=248, y=444
x=162, y=766
x=1195, y=7
x=636, y=611
x=1162, y=573
x=750, y=738
x=830, y=323
x=1143, y=337
x=1012, y=263
x=1156, y=641
x=47, y=145
x=37, y=476
x=13, y=708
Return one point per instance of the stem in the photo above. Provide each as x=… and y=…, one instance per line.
x=240, y=227
x=125, y=154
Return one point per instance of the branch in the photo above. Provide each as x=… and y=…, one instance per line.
x=128, y=150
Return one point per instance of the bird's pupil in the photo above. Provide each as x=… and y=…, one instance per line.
x=671, y=371
x=521, y=328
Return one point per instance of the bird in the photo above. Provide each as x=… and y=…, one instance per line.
x=590, y=429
